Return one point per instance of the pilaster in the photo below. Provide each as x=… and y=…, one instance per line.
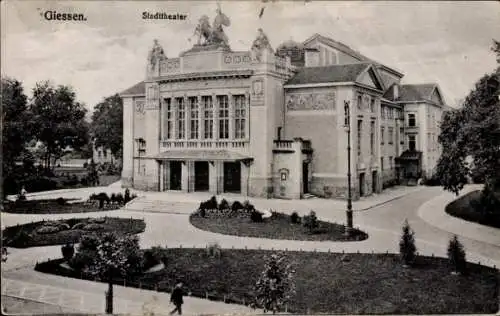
x=231, y=115
x=185, y=177
x=201, y=113
x=216, y=116
x=191, y=178
x=212, y=177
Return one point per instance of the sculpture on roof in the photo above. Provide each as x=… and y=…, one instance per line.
x=261, y=44
x=213, y=35
x=156, y=54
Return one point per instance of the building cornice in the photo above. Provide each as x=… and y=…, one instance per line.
x=132, y=95
x=202, y=76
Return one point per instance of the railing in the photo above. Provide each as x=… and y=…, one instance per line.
x=204, y=144
x=283, y=144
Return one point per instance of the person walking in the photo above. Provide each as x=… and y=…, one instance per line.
x=176, y=299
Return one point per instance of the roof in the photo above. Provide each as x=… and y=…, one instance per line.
x=222, y=154
x=333, y=73
x=416, y=92
x=410, y=155
x=137, y=89
x=348, y=50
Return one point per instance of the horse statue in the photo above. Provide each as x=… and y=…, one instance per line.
x=203, y=30
x=218, y=36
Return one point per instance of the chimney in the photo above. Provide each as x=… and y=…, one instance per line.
x=396, y=92
x=311, y=57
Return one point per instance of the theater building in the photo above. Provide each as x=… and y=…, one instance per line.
x=271, y=123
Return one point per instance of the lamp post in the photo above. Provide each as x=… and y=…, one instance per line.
x=347, y=125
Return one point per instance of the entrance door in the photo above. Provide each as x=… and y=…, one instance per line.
x=175, y=175
x=361, y=184
x=305, y=177
x=201, y=178
x=232, y=177
x=374, y=181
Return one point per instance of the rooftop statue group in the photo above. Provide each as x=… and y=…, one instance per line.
x=213, y=34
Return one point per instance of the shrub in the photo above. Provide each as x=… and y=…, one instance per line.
x=47, y=230
x=93, y=227
x=247, y=206
x=63, y=226
x=236, y=206
x=126, y=197
x=295, y=218
x=202, y=211
x=256, y=216
x=276, y=284
x=311, y=221
x=68, y=251
x=119, y=198
x=60, y=201
x=456, y=255
x=223, y=205
x=214, y=250
x=211, y=204
x=112, y=198
x=153, y=257
x=407, y=248
x=22, y=238
x=102, y=197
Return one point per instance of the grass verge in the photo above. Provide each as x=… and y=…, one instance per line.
x=463, y=208
x=51, y=206
x=326, y=282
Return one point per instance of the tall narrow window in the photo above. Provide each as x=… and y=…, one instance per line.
x=412, y=143
x=390, y=130
x=382, y=163
x=382, y=136
x=401, y=136
x=372, y=137
x=360, y=102
x=239, y=116
x=360, y=130
x=181, y=118
x=222, y=100
x=390, y=163
x=372, y=105
x=170, y=119
x=193, y=122
x=208, y=117
x=411, y=120
x=382, y=111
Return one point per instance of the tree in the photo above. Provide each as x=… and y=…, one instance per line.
x=275, y=285
x=59, y=119
x=16, y=129
x=107, y=124
x=114, y=256
x=473, y=131
x=407, y=247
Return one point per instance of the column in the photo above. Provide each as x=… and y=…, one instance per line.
x=201, y=114
x=245, y=174
x=185, y=177
x=212, y=177
x=191, y=175
x=187, y=110
x=162, y=118
x=166, y=175
x=216, y=116
x=175, y=114
x=247, y=113
x=162, y=176
x=231, y=116
x=219, y=167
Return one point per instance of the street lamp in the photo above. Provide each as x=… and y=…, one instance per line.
x=347, y=125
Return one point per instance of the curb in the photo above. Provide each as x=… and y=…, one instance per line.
x=388, y=201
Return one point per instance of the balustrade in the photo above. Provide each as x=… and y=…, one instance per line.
x=204, y=144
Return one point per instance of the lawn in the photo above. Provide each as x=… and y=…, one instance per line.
x=51, y=206
x=464, y=208
x=47, y=233
x=278, y=226
x=326, y=282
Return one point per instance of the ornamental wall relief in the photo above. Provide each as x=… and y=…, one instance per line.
x=310, y=101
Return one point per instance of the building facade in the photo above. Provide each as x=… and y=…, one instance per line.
x=272, y=123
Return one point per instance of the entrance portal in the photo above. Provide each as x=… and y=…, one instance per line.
x=175, y=175
x=362, y=184
x=374, y=181
x=232, y=177
x=201, y=176
x=305, y=177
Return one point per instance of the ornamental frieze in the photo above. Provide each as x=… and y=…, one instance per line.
x=310, y=101
x=139, y=107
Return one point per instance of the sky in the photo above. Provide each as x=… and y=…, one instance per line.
x=443, y=42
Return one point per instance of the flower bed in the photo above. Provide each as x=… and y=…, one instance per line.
x=325, y=282
x=277, y=226
x=47, y=233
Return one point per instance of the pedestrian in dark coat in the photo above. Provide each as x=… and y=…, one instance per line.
x=177, y=299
